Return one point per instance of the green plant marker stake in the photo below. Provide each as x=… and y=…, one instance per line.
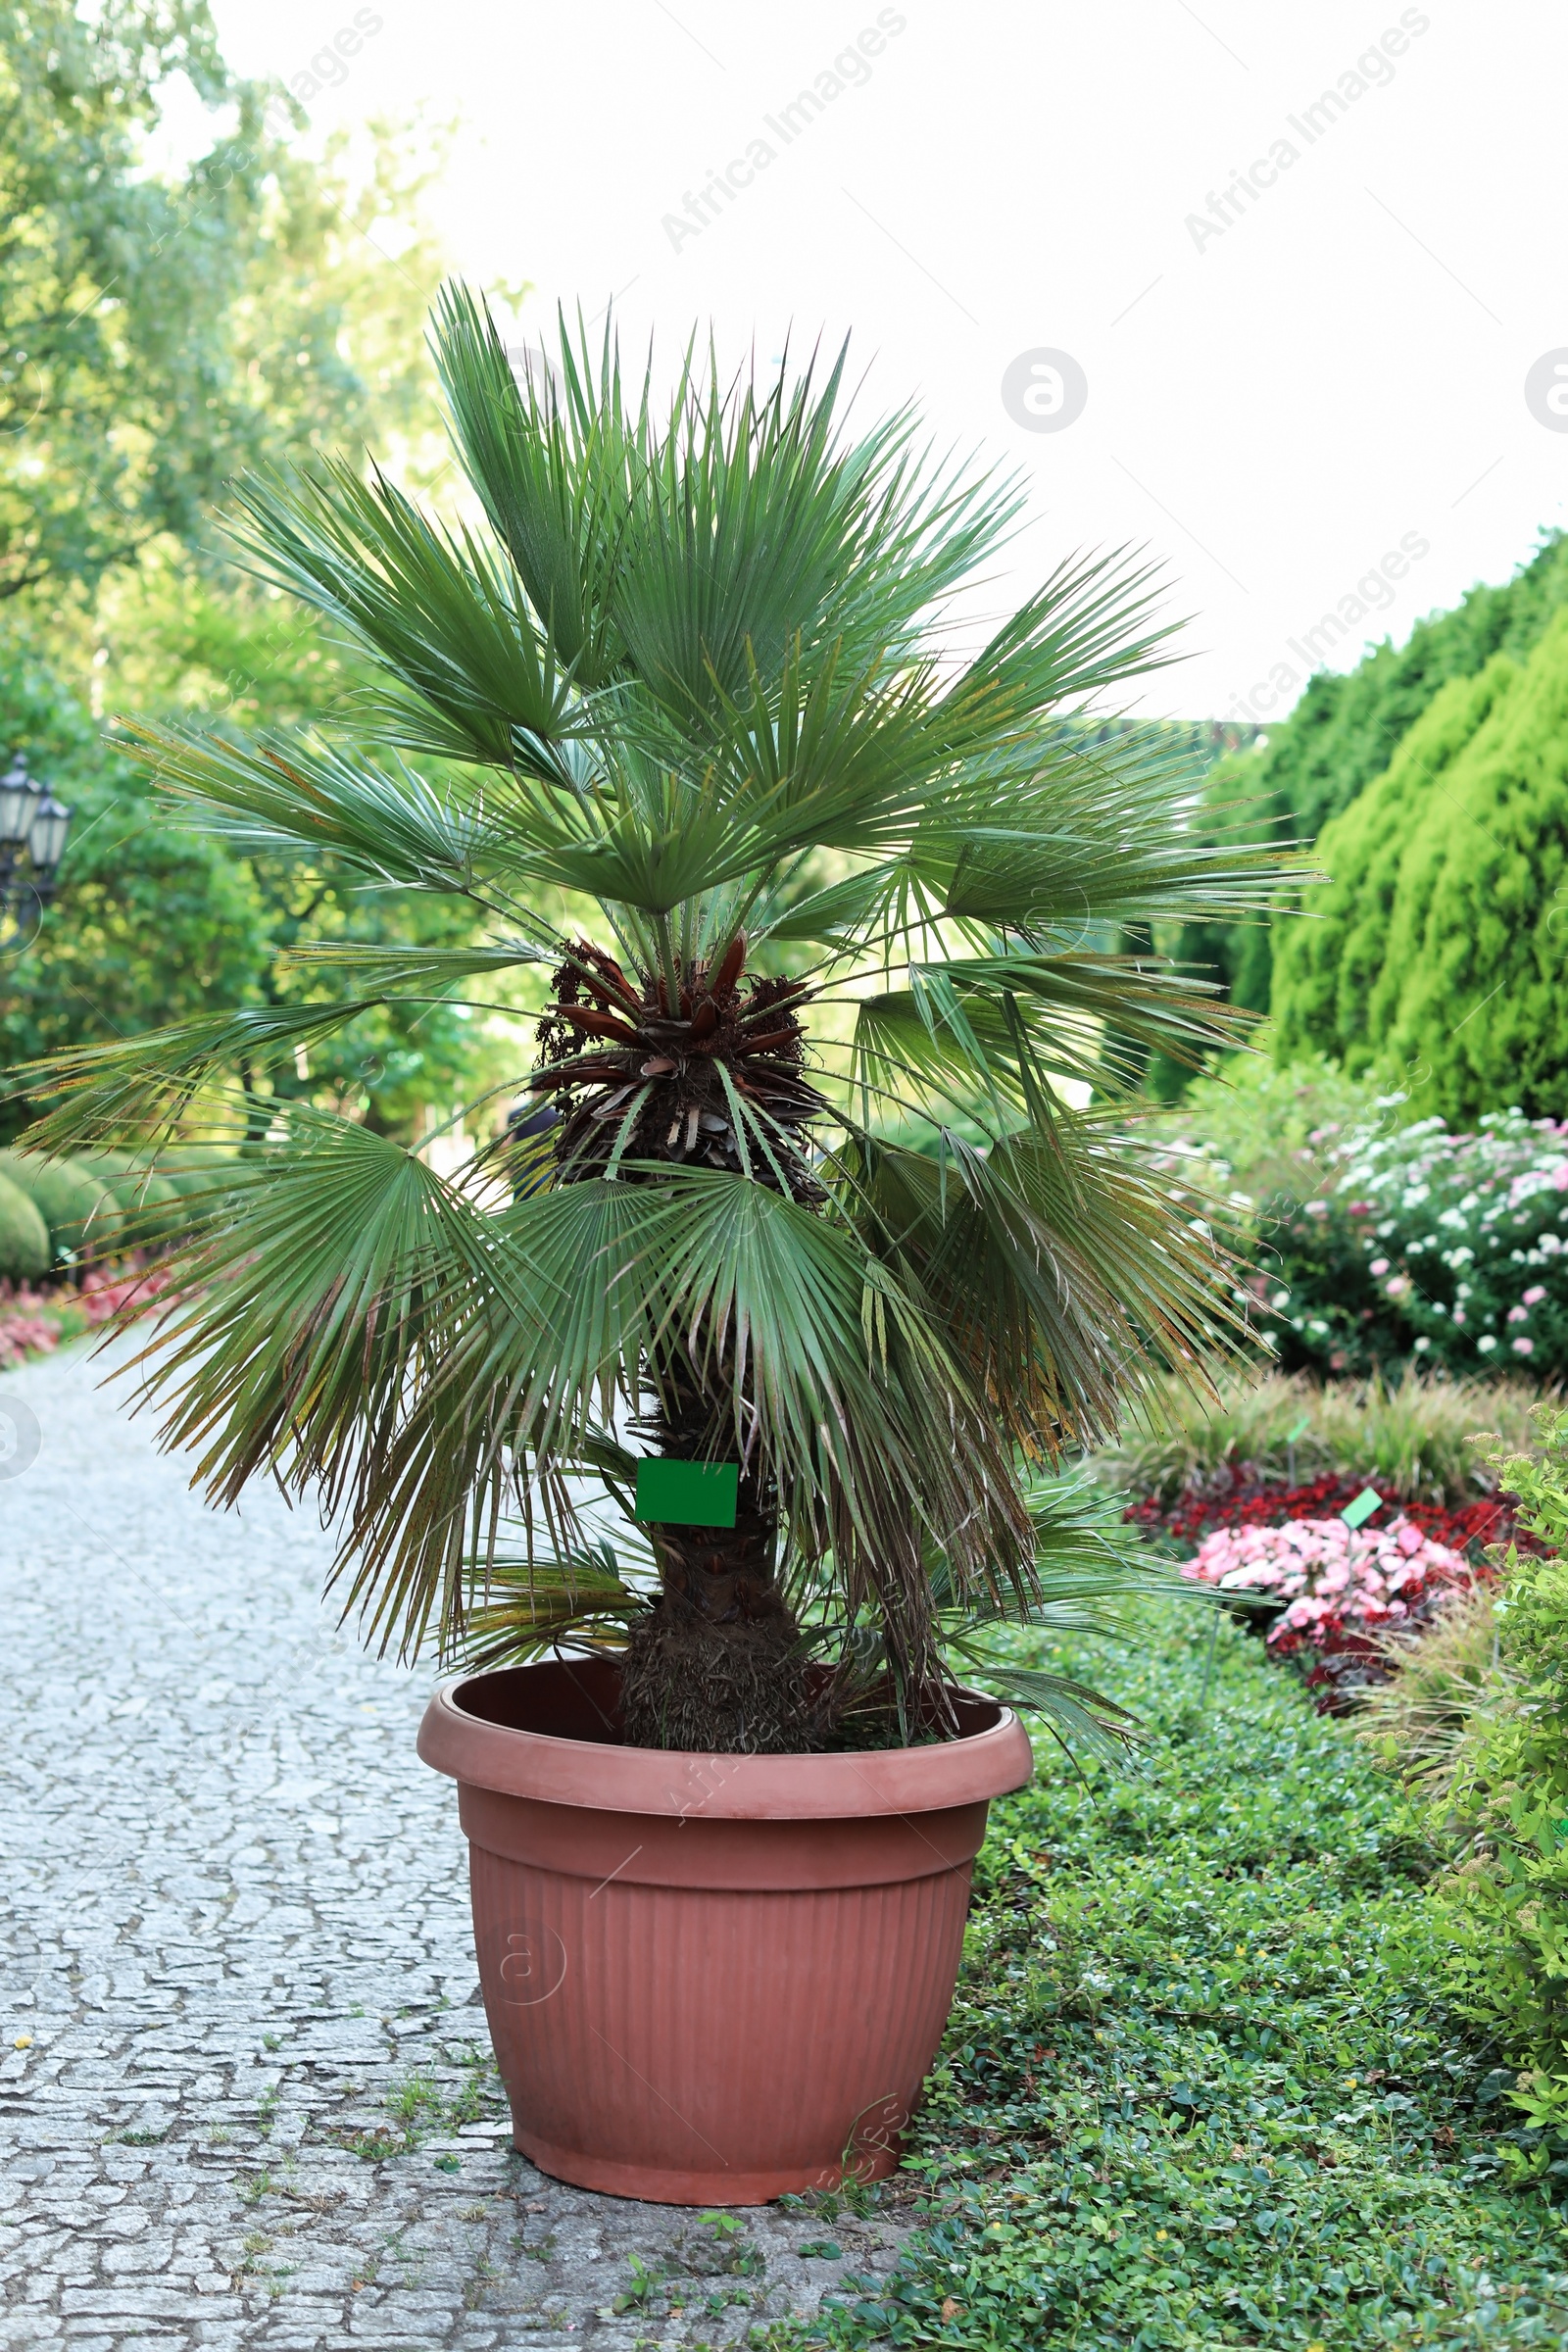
x=1359, y=1512
x=688, y=1493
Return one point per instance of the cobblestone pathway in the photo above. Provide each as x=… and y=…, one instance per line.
x=246, y=2097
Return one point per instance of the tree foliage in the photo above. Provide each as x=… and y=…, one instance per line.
x=157, y=923
x=1344, y=732
x=152, y=923
x=158, y=333
x=1440, y=942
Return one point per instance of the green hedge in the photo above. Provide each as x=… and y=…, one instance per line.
x=1340, y=735
x=79, y=1212
x=1439, y=943
x=24, y=1245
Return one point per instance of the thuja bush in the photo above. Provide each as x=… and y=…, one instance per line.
x=1438, y=937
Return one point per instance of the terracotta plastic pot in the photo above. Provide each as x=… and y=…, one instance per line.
x=710, y=1979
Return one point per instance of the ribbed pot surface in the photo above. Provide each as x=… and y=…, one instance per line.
x=710, y=1979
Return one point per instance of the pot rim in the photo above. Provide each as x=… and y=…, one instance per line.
x=680, y=1784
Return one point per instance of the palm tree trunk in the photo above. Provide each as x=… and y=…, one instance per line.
x=715, y=1665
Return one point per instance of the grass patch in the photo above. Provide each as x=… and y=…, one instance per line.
x=421, y=2107
x=1199, y=2090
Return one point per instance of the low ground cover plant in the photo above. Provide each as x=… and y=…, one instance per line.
x=1214, y=1495
x=37, y=1319
x=1203, y=2089
x=1474, y=1528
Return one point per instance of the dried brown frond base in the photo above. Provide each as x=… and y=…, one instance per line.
x=742, y=1691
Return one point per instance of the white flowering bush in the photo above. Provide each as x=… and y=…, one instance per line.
x=1374, y=1244
x=1466, y=1237
x=1339, y=1587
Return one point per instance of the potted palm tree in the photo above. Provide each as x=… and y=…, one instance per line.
x=711, y=1421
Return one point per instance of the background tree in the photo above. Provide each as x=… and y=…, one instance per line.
x=1440, y=938
x=157, y=332
x=1344, y=732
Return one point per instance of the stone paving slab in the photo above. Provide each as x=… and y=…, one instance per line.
x=246, y=2093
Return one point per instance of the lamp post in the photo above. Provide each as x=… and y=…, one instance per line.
x=33, y=826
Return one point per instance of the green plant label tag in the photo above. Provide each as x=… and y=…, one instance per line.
x=1300, y=1431
x=1359, y=1512
x=688, y=1493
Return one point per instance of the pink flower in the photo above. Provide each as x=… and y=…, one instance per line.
x=21, y=1334
x=1534, y=1295
x=1524, y=1346
x=1379, y=1265
x=1337, y=1582
x=1518, y=1314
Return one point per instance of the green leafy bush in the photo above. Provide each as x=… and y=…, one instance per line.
x=1443, y=1676
x=1425, y=1244
x=1506, y=1902
x=78, y=1209
x=1374, y=1243
x=24, y=1245
x=1440, y=939
x=1257, y=1144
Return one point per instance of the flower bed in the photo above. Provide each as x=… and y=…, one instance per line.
x=1238, y=1497
x=1337, y=1588
x=34, y=1322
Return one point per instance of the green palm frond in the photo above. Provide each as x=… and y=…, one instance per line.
x=475, y=679
x=527, y=1606
x=389, y=825
x=136, y=1086
x=401, y=967
x=555, y=480
x=841, y=1387
x=1054, y=1266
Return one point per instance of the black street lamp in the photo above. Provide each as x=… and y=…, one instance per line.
x=33, y=826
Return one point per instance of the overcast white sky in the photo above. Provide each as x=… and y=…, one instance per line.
x=1273, y=406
